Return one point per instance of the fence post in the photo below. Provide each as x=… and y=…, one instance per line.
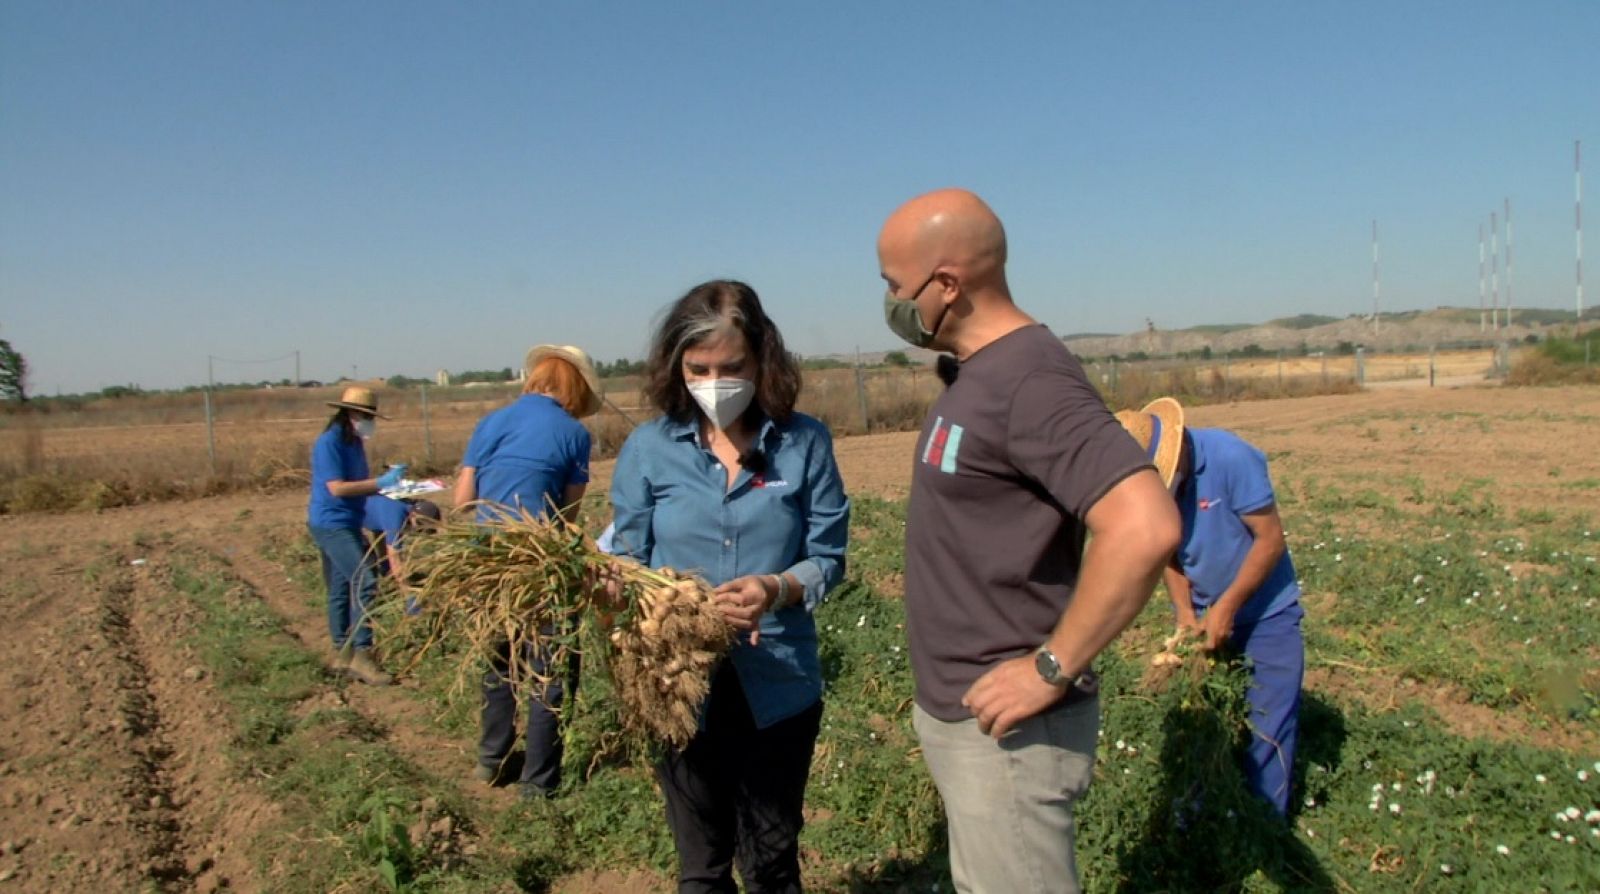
x=1361, y=367
x=1430, y=366
x=1324, y=370
x=1280, y=370
x=1116, y=402
x=1227, y=374
x=861, y=395
x=427, y=426
x=211, y=437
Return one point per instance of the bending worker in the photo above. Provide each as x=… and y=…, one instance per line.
x=1231, y=578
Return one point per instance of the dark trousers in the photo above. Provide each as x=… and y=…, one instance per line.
x=541, y=765
x=735, y=795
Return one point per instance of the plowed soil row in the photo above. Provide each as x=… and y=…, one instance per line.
x=130, y=787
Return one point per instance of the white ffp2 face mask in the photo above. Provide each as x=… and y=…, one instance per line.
x=723, y=400
x=365, y=428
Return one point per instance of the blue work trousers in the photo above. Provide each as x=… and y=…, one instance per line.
x=349, y=573
x=1277, y=654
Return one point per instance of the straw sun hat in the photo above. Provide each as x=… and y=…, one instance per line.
x=579, y=360
x=1159, y=430
x=362, y=400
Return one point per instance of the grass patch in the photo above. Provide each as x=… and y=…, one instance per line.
x=339, y=784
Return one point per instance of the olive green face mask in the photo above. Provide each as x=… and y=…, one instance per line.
x=905, y=321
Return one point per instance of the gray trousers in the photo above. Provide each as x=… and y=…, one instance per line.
x=1009, y=802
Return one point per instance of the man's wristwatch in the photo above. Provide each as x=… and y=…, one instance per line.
x=1044, y=661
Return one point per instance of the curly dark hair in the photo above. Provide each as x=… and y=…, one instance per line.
x=705, y=310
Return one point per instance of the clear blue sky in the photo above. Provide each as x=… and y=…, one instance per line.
x=400, y=187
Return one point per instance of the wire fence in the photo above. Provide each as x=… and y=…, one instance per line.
x=150, y=446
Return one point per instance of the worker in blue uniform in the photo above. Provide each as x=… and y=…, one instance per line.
x=1232, y=579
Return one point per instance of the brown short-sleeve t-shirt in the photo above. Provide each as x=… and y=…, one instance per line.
x=1011, y=458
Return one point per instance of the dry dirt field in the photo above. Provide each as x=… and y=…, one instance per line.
x=110, y=774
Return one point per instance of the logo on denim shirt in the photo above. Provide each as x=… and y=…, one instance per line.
x=761, y=481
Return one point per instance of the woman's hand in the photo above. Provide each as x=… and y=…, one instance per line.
x=606, y=582
x=744, y=600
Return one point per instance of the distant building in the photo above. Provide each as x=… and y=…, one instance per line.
x=442, y=378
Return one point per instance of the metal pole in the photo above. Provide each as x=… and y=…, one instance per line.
x=1430, y=366
x=1577, y=183
x=1483, y=290
x=861, y=394
x=211, y=438
x=297, y=369
x=1508, y=263
x=1494, y=271
x=427, y=427
x=1280, y=370
x=1374, y=277
x=1361, y=366
x=1114, y=378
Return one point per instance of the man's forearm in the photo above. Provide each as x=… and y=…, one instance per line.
x=1116, y=581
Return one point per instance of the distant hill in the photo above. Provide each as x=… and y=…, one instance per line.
x=1302, y=321
x=1398, y=330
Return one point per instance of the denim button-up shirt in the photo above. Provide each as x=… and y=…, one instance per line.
x=673, y=508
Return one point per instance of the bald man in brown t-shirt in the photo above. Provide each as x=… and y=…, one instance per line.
x=1019, y=460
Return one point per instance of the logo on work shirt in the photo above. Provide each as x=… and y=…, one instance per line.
x=761, y=481
x=944, y=444
x=1208, y=503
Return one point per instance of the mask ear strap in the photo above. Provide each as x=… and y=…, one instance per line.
x=944, y=309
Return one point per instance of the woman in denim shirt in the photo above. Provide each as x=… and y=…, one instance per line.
x=732, y=484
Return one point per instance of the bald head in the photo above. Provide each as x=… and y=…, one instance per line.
x=947, y=227
x=953, y=244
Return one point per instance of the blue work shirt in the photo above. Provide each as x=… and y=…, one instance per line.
x=386, y=516
x=335, y=459
x=673, y=508
x=1228, y=479
x=526, y=454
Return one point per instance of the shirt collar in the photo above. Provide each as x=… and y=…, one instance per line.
x=689, y=430
x=1197, y=456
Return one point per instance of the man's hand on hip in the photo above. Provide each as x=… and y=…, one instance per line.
x=1011, y=692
